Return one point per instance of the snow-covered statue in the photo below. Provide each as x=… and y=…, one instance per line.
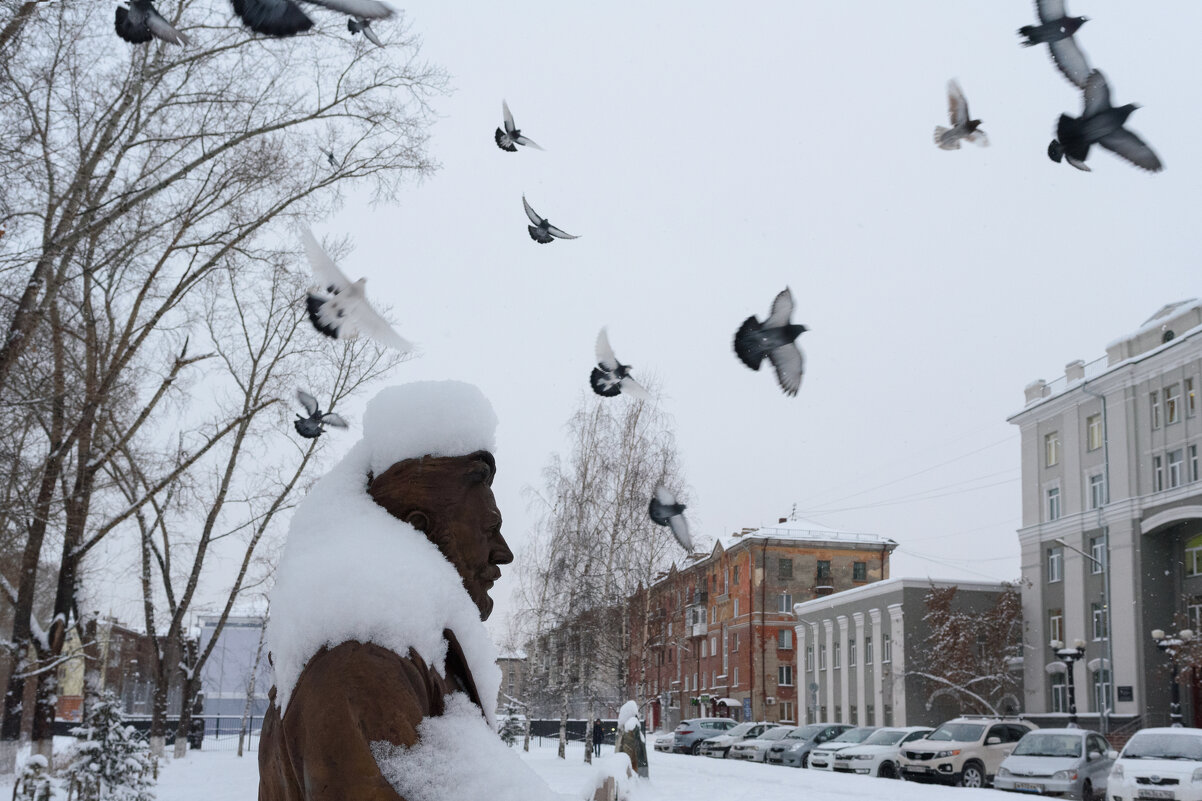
x=385, y=676
x=630, y=738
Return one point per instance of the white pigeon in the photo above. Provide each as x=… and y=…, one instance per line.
x=343, y=311
x=665, y=511
x=610, y=377
x=962, y=127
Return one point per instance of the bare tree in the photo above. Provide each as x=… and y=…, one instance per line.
x=129, y=177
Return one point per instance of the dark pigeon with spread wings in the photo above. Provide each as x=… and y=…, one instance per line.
x=1056, y=29
x=363, y=25
x=543, y=231
x=509, y=137
x=313, y=426
x=1103, y=124
x=610, y=377
x=141, y=22
x=774, y=338
x=665, y=511
x=285, y=17
x=962, y=127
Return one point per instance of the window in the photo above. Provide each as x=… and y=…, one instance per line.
x=714, y=646
x=786, y=603
x=784, y=675
x=735, y=646
x=736, y=581
x=1055, y=625
x=669, y=628
x=704, y=647
x=1176, y=459
x=824, y=569
x=809, y=658
x=1191, y=403
x=838, y=648
x=786, y=711
x=1193, y=462
x=1193, y=556
x=736, y=684
x=784, y=568
x=1157, y=474
x=1172, y=404
x=822, y=656
x=713, y=614
x=859, y=571
x=1097, y=549
x=736, y=610
x=1100, y=624
x=1093, y=432
x=1051, y=449
x=1097, y=491
x=1194, y=612
x=1101, y=690
x=851, y=653
x=1059, y=693
x=1053, y=504
x=784, y=638
x=1055, y=565
x=1154, y=399
x=886, y=648
x=867, y=650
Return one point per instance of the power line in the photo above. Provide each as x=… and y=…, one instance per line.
x=926, y=496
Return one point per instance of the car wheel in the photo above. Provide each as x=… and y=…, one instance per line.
x=696, y=749
x=973, y=775
x=887, y=770
x=805, y=760
x=1087, y=791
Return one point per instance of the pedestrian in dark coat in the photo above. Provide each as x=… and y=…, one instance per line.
x=598, y=737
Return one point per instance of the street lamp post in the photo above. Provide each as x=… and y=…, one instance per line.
x=1105, y=703
x=1170, y=644
x=1070, y=655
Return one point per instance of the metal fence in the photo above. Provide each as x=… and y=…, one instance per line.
x=221, y=732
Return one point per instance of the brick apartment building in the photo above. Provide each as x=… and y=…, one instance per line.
x=718, y=631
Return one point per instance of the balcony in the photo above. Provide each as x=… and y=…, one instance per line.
x=699, y=629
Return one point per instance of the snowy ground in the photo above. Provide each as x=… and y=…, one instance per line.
x=222, y=776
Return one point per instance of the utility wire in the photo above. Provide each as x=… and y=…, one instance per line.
x=925, y=496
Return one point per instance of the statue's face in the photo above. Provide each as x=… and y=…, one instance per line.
x=450, y=499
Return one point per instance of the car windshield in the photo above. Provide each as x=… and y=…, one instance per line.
x=852, y=736
x=885, y=737
x=1049, y=745
x=1164, y=746
x=958, y=732
x=776, y=734
x=805, y=732
x=741, y=729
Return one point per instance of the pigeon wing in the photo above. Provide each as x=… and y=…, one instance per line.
x=604, y=383
x=1127, y=145
x=331, y=419
x=324, y=269
x=1097, y=94
x=634, y=389
x=531, y=213
x=369, y=9
x=163, y=29
x=1070, y=60
x=680, y=529
x=509, y=126
x=747, y=343
x=782, y=310
x=789, y=364
x=371, y=323
x=272, y=17
x=528, y=142
x=323, y=316
x=1050, y=10
x=605, y=354
x=308, y=401
x=370, y=33
x=127, y=29
x=957, y=104
x=978, y=137
x=559, y=233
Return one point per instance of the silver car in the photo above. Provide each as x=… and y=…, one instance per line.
x=719, y=746
x=756, y=749
x=1064, y=762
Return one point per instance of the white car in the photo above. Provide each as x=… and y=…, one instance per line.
x=823, y=756
x=757, y=750
x=664, y=742
x=877, y=756
x=1158, y=763
x=719, y=746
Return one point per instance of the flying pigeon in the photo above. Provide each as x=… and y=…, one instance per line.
x=542, y=231
x=665, y=511
x=330, y=153
x=1056, y=29
x=511, y=137
x=962, y=126
x=313, y=426
x=363, y=25
x=774, y=338
x=1100, y=123
x=343, y=311
x=285, y=17
x=610, y=377
x=141, y=21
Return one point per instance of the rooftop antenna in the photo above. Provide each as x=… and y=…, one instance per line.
x=793, y=513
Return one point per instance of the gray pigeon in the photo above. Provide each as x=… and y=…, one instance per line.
x=313, y=426
x=665, y=511
x=330, y=153
x=1056, y=29
x=511, y=137
x=363, y=25
x=610, y=377
x=342, y=311
x=1103, y=124
x=962, y=126
x=542, y=231
x=141, y=22
x=774, y=338
x=285, y=17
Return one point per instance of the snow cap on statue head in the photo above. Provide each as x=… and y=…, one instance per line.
x=427, y=418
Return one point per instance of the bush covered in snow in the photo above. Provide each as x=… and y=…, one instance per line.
x=512, y=726
x=34, y=783
x=113, y=761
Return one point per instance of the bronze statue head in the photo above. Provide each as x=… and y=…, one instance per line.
x=450, y=500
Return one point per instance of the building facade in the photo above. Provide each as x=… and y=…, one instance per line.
x=716, y=635
x=860, y=652
x=1112, y=520
x=226, y=676
x=513, y=678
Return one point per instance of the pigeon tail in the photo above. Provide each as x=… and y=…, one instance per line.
x=604, y=383
x=307, y=428
x=745, y=343
x=313, y=304
x=504, y=142
x=940, y=132
x=1027, y=31
x=539, y=235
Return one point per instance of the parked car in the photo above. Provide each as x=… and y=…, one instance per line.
x=1158, y=763
x=690, y=733
x=877, y=756
x=719, y=746
x=1065, y=762
x=822, y=757
x=794, y=749
x=665, y=742
x=966, y=751
x=756, y=749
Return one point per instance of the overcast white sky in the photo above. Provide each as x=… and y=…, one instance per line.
x=708, y=156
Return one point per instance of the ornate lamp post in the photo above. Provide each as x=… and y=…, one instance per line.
x=1170, y=644
x=1070, y=655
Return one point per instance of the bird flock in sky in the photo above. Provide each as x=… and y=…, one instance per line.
x=140, y=21
x=1100, y=122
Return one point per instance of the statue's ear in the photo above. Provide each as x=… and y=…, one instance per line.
x=418, y=520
